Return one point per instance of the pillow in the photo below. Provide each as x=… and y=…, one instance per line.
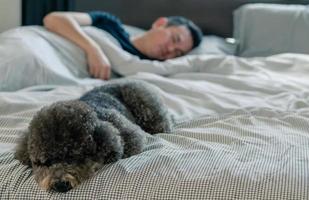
x=133, y=30
x=268, y=29
x=210, y=44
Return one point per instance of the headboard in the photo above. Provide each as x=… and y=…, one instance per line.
x=213, y=16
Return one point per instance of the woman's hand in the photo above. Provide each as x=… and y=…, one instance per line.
x=67, y=24
x=98, y=64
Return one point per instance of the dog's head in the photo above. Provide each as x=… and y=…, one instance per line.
x=67, y=144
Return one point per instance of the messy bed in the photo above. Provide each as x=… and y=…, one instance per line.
x=242, y=122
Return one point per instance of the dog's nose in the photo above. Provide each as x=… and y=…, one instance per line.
x=62, y=186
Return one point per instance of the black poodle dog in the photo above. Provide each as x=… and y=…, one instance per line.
x=68, y=141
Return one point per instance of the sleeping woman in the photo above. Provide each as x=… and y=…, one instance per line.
x=168, y=37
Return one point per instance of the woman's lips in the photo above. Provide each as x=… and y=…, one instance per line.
x=163, y=52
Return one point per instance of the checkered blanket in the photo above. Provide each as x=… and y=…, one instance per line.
x=242, y=133
x=258, y=154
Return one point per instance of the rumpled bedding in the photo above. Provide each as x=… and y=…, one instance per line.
x=34, y=56
x=241, y=133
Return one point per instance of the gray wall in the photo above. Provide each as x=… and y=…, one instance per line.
x=10, y=14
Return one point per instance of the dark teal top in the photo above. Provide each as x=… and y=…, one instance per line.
x=112, y=25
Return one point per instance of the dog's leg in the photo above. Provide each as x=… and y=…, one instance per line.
x=132, y=135
x=21, y=152
x=148, y=109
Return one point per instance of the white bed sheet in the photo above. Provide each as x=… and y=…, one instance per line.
x=242, y=133
x=34, y=56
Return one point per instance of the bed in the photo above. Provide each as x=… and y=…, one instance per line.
x=242, y=122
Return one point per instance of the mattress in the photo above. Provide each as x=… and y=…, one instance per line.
x=230, y=142
x=241, y=123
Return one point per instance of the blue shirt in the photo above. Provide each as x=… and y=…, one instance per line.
x=113, y=26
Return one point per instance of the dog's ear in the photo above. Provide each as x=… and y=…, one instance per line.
x=109, y=143
x=21, y=152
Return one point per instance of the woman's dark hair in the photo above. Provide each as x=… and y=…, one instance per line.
x=196, y=33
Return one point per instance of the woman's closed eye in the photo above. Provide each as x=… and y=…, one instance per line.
x=176, y=38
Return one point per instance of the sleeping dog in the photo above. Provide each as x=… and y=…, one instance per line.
x=68, y=141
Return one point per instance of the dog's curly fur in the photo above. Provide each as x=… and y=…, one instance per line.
x=68, y=141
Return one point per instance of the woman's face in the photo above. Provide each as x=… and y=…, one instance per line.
x=167, y=42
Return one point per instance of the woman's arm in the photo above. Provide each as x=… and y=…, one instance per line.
x=68, y=25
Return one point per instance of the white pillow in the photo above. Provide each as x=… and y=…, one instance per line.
x=268, y=29
x=133, y=30
x=212, y=44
